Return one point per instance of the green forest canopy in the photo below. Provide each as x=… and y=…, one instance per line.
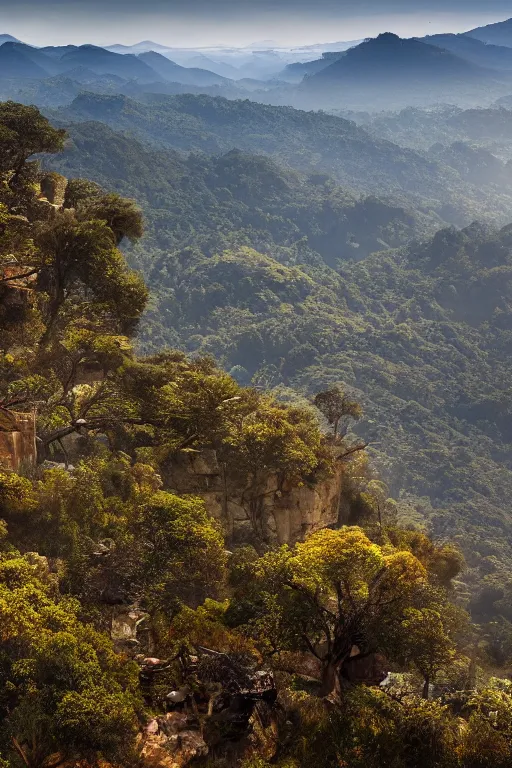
x=270, y=271
x=72, y=537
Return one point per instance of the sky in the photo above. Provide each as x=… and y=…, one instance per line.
x=184, y=23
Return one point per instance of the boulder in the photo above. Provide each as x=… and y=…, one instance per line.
x=367, y=670
x=40, y=565
x=173, y=723
x=53, y=188
x=171, y=742
x=125, y=624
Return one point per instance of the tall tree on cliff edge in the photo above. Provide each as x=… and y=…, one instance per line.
x=69, y=300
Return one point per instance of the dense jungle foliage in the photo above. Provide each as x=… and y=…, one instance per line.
x=94, y=526
x=269, y=271
x=311, y=142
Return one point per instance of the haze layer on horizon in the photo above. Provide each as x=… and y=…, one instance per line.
x=202, y=23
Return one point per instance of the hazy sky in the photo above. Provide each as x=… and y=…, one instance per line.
x=238, y=22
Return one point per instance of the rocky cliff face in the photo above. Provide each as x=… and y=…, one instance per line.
x=18, y=444
x=254, y=506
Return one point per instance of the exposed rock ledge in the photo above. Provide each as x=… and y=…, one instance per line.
x=255, y=505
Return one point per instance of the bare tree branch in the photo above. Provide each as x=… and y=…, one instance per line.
x=20, y=277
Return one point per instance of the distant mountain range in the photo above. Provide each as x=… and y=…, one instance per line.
x=18, y=60
x=386, y=72
x=143, y=47
x=255, y=61
x=197, y=59
x=474, y=50
x=389, y=56
x=15, y=63
x=104, y=62
x=496, y=34
x=173, y=72
x=389, y=71
x=8, y=39
x=296, y=72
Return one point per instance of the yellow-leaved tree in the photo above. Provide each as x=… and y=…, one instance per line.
x=337, y=595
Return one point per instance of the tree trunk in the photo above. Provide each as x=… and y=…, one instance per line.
x=56, y=303
x=329, y=678
x=20, y=751
x=52, y=318
x=229, y=520
x=426, y=687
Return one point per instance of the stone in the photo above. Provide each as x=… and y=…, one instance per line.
x=152, y=727
x=367, y=670
x=18, y=447
x=40, y=565
x=57, y=465
x=125, y=624
x=154, y=754
x=171, y=743
x=205, y=462
x=255, y=506
x=173, y=723
x=191, y=746
x=177, y=697
x=53, y=188
x=101, y=550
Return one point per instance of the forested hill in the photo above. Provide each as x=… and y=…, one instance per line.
x=250, y=262
x=422, y=338
x=308, y=141
x=238, y=197
x=198, y=573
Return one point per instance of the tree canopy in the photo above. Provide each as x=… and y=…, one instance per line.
x=126, y=624
x=64, y=691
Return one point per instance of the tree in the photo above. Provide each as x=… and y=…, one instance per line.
x=77, y=256
x=79, y=191
x=277, y=439
x=181, y=551
x=65, y=693
x=206, y=627
x=67, y=297
x=336, y=406
x=427, y=644
x=375, y=502
x=163, y=550
x=334, y=591
x=90, y=201
x=487, y=740
x=443, y=561
x=373, y=730
x=122, y=216
x=24, y=132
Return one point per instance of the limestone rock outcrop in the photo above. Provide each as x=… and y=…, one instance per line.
x=256, y=505
x=126, y=626
x=53, y=188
